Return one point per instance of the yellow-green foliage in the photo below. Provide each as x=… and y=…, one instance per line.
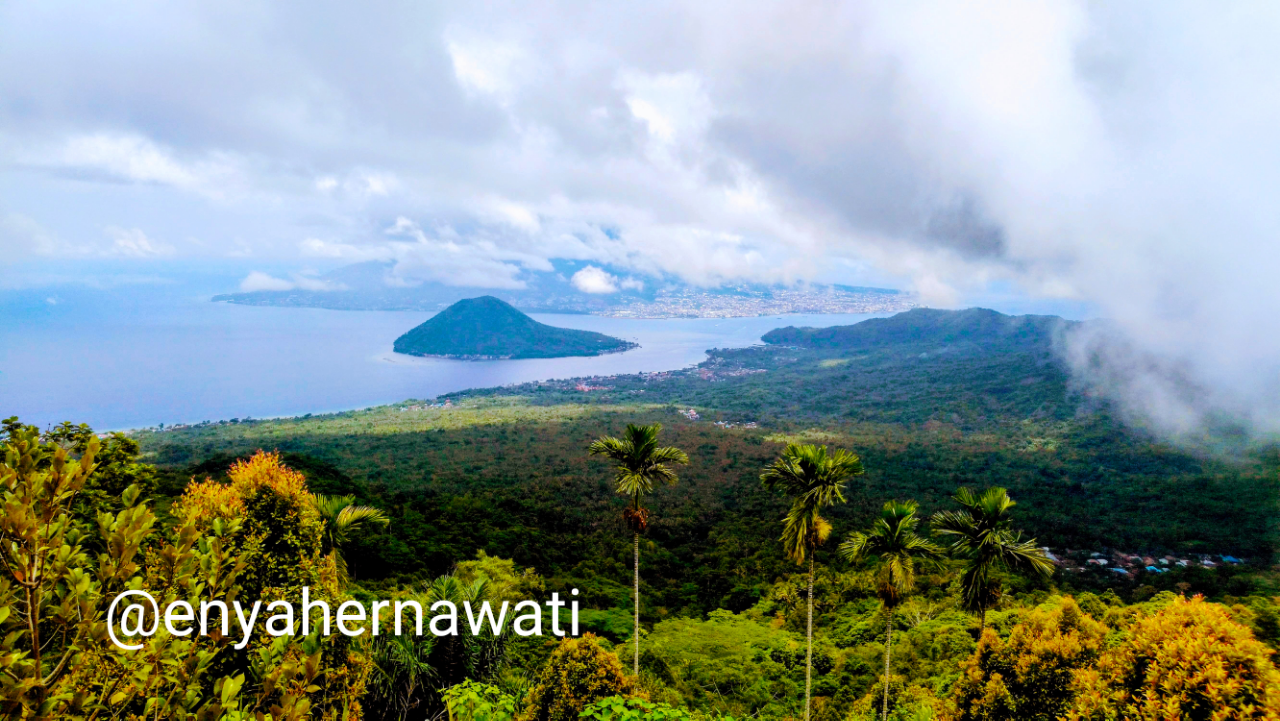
x=51, y=598
x=505, y=581
x=1189, y=660
x=56, y=658
x=812, y=435
x=279, y=537
x=621, y=708
x=907, y=702
x=1029, y=676
x=578, y=674
x=280, y=531
x=732, y=664
x=472, y=701
x=388, y=420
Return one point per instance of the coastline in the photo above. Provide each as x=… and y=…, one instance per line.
x=630, y=345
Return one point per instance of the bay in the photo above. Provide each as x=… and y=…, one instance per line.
x=118, y=364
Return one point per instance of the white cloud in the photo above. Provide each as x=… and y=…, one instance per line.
x=257, y=280
x=135, y=158
x=444, y=257
x=21, y=236
x=133, y=243
x=673, y=106
x=483, y=65
x=318, y=248
x=594, y=280
x=1121, y=154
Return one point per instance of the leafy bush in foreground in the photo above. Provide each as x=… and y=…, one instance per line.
x=1190, y=661
x=578, y=674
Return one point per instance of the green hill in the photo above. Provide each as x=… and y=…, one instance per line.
x=486, y=328
x=977, y=329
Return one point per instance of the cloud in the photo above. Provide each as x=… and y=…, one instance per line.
x=444, y=257
x=133, y=158
x=481, y=65
x=673, y=106
x=594, y=280
x=133, y=243
x=1122, y=155
x=21, y=236
x=257, y=280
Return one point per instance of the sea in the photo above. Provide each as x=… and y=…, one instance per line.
x=128, y=358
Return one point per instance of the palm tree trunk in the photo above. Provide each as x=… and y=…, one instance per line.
x=888, y=639
x=808, y=659
x=635, y=667
x=982, y=628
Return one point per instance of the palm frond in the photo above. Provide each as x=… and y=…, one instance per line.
x=814, y=480
x=340, y=519
x=640, y=464
x=352, y=518
x=896, y=549
x=980, y=534
x=1019, y=555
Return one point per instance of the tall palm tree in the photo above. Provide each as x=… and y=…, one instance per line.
x=813, y=480
x=342, y=519
x=980, y=534
x=896, y=547
x=640, y=464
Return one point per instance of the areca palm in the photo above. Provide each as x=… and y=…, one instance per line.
x=640, y=465
x=980, y=534
x=893, y=542
x=342, y=519
x=813, y=479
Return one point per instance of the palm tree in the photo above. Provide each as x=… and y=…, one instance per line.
x=409, y=669
x=640, y=465
x=813, y=480
x=342, y=518
x=896, y=546
x=979, y=533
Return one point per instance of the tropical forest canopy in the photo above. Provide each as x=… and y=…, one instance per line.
x=492, y=494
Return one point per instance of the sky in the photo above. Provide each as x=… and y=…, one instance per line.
x=1122, y=157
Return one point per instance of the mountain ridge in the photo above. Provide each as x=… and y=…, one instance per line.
x=977, y=328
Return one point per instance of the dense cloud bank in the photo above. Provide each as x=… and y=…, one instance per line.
x=1120, y=154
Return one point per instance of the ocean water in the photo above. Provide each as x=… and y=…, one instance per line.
x=119, y=360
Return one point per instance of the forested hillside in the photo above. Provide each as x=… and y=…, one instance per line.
x=487, y=328
x=1143, y=546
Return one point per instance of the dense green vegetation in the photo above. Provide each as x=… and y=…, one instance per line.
x=496, y=497
x=485, y=327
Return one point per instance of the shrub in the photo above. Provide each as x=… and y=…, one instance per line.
x=1029, y=677
x=473, y=701
x=1189, y=660
x=578, y=674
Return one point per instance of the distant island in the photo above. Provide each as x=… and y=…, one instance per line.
x=486, y=328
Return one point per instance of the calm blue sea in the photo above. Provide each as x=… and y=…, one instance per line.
x=130, y=358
